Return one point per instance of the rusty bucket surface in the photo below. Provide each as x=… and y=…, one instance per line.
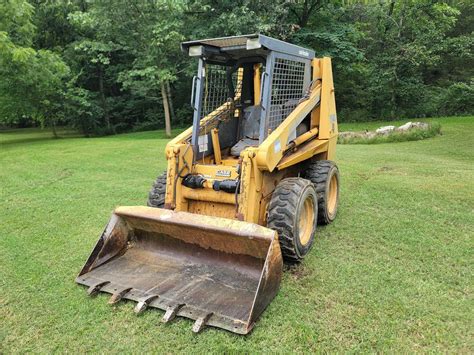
x=217, y=271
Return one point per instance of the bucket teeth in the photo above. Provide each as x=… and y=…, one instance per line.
x=201, y=323
x=216, y=271
x=143, y=303
x=95, y=289
x=171, y=312
x=117, y=296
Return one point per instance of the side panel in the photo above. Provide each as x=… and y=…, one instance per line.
x=315, y=114
x=328, y=117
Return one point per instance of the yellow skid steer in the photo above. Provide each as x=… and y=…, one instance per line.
x=244, y=190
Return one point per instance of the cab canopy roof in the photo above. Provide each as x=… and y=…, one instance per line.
x=231, y=49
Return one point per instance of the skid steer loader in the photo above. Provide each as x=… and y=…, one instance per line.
x=244, y=189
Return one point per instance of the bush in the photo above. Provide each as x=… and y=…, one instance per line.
x=458, y=99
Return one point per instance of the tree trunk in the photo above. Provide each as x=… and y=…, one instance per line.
x=53, y=127
x=389, y=14
x=309, y=6
x=304, y=15
x=395, y=81
x=103, y=100
x=166, y=107
x=393, y=103
x=393, y=94
x=170, y=101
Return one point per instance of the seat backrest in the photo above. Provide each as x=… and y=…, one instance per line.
x=250, y=125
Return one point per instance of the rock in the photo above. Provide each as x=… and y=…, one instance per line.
x=351, y=134
x=346, y=134
x=420, y=125
x=405, y=127
x=410, y=125
x=384, y=129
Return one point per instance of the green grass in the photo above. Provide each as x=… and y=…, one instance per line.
x=392, y=273
x=414, y=134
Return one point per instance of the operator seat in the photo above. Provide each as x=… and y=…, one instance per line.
x=249, y=130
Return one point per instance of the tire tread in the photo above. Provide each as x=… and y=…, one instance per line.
x=156, y=196
x=318, y=174
x=282, y=215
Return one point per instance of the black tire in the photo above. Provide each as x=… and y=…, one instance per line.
x=293, y=203
x=324, y=174
x=156, y=196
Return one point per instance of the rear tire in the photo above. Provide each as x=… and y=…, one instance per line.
x=156, y=196
x=292, y=212
x=324, y=174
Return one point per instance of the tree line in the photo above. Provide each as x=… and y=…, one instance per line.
x=106, y=67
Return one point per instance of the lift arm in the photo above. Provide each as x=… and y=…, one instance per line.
x=271, y=150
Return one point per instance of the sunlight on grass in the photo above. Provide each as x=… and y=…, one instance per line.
x=392, y=274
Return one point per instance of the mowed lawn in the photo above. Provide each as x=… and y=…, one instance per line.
x=394, y=272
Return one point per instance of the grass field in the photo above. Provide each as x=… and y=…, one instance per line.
x=392, y=273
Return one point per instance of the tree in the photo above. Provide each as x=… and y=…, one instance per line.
x=106, y=69
x=405, y=39
x=33, y=81
x=160, y=25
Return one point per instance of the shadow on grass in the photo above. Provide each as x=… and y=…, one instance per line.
x=17, y=137
x=159, y=134
x=12, y=142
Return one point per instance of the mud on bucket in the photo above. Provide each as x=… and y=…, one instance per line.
x=217, y=271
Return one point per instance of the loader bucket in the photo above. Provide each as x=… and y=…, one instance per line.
x=216, y=271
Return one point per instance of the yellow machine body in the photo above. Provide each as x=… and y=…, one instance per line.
x=207, y=254
x=262, y=167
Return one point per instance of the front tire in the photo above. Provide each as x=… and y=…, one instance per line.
x=292, y=212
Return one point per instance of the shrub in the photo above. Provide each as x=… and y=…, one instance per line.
x=458, y=99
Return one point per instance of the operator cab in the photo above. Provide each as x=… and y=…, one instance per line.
x=244, y=88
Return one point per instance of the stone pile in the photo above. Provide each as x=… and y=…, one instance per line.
x=385, y=130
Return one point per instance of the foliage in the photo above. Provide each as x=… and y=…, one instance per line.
x=415, y=36
x=33, y=80
x=103, y=68
x=459, y=98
